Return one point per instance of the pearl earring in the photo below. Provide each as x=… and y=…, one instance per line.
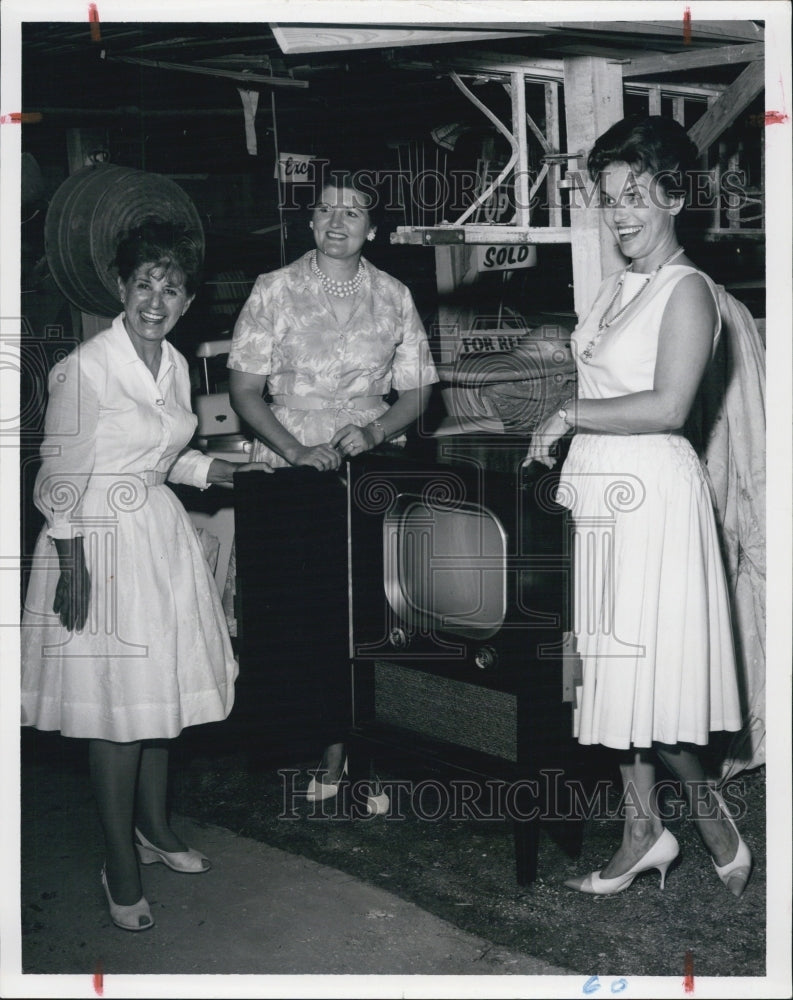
x=311, y=225
x=370, y=237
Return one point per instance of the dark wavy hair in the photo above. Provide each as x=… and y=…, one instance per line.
x=169, y=246
x=361, y=179
x=653, y=144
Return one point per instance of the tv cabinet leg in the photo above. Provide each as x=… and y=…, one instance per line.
x=527, y=843
x=360, y=761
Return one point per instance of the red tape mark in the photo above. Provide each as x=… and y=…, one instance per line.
x=21, y=118
x=687, y=26
x=99, y=979
x=775, y=117
x=688, y=968
x=93, y=18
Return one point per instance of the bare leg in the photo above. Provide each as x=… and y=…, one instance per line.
x=642, y=825
x=152, y=818
x=114, y=771
x=714, y=828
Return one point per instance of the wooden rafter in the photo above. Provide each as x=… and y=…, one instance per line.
x=278, y=81
x=710, y=31
x=733, y=102
x=672, y=62
x=302, y=38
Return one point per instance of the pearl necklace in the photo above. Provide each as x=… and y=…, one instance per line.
x=603, y=323
x=341, y=289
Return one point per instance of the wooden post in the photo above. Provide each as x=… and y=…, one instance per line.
x=452, y=263
x=552, y=134
x=518, y=89
x=593, y=102
x=654, y=98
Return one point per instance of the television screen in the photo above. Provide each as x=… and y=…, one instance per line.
x=446, y=566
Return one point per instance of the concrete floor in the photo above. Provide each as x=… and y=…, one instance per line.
x=260, y=911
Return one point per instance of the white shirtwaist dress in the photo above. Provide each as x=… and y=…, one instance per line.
x=154, y=655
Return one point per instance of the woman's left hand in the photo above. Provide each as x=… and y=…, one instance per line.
x=351, y=440
x=221, y=472
x=551, y=430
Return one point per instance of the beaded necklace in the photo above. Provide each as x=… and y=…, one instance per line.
x=341, y=289
x=604, y=323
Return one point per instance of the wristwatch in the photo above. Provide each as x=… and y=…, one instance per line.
x=563, y=413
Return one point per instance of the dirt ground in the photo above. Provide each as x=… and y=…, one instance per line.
x=463, y=869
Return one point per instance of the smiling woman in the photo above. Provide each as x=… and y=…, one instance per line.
x=124, y=639
x=652, y=609
x=328, y=338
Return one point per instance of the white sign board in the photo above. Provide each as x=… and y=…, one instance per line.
x=293, y=168
x=505, y=258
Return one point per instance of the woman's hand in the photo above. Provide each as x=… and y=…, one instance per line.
x=73, y=590
x=351, y=440
x=323, y=457
x=551, y=430
x=221, y=472
x=253, y=467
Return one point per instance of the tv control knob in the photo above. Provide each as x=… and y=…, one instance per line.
x=486, y=658
x=398, y=638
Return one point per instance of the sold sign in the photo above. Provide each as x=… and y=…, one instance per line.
x=505, y=258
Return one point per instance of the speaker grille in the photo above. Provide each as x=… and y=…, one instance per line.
x=442, y=709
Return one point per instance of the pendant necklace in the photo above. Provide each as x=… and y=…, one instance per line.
x=341, y=289
x=604, y=323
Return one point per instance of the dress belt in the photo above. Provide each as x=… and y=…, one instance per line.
x=326, y=403
x=152, y=478
x=104, y=481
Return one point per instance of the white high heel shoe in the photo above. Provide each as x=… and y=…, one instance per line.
x=318, y=791
x=660, y=856
x=378, y=805
x=189, y=861
x=736, y=873
x=136, y=917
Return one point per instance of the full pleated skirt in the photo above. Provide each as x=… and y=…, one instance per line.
x=154, y=655
x=651, y=606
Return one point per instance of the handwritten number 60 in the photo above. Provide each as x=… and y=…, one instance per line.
x=592, y=985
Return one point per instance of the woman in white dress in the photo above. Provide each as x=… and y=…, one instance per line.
x=652, y=614
x=124, y=640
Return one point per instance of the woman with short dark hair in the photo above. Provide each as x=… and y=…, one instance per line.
x=327, y=338
x=652, y=611
x=124, y=639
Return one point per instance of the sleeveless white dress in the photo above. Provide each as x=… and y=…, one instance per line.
x=651, y=606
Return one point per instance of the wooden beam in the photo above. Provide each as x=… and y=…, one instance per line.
x=593, y=102
x=708, y=92
x=437, y=236
x=499, y=63
x=521, y=175
x=733, y=102
x=672, y=62
x=553, y=137
x=724, y=31
x=300, y=38
x=277, y=81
